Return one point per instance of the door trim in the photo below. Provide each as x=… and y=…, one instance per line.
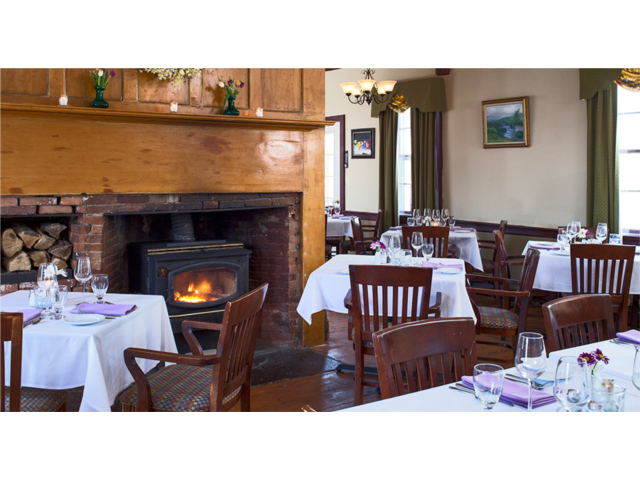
x=342, y=120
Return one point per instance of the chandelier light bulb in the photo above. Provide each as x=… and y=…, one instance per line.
x=357, y=91
x=367, y=84
x=348, y=87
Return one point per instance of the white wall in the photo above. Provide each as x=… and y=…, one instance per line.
x=542, y=185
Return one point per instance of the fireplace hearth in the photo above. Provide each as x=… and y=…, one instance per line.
x=195, y=278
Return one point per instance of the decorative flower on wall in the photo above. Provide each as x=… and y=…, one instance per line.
x=175, y=75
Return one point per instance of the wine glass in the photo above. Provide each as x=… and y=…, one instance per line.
x=427, y=251
x=452, y=222
x=395, y=244
x=336, y=208
x=445, y=215
x=572, y=385
x=82, y=272
x=411, y=221
x=575, y=229
x=427, y=216
x=99, y=285
x=47, y=279
x=416, y=213
x=531, y=358
x=406, y=257
x=488, y=380
x=436, y=215
x=420, y=219
x=59, y=296
x=601, y=232
x=563, y=241
x=416, y=241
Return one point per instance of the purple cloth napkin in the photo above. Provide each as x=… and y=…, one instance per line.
x=518, y=393
x=437, y=266
x=632, y=336
x=29, y=313
x=544, y=247
x=105, y=309
x=395, y=228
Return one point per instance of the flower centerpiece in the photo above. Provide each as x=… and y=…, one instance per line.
x=100, y=81
x=380, y=248
x=582, y=234
x=231, y=90
x=596, y=360
x=175, y=75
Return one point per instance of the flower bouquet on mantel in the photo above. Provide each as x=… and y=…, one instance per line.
x=100, y=80
x=231, y=91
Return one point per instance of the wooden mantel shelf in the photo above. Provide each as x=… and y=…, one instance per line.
x=122, y=116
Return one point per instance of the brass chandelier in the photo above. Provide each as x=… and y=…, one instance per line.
x=368, y=89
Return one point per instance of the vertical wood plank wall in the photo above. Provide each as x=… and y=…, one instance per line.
x=295, y=94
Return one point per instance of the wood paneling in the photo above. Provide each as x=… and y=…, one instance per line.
x=214, y=95
x=150, y=89
x=282, y=89
x=79, y=84
x=25, y=81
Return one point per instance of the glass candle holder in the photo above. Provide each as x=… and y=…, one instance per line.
x=259, y=112
x=607, y=397
x=174, y=107
x=64, y=100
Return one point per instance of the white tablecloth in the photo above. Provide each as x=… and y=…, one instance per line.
x=554, y=271
x=56, y=355
x=328, y=285
x=464, y=243
x=444, y=399
x=338, y=227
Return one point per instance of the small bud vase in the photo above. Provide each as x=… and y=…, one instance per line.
x=99, y=102
x=231, y=107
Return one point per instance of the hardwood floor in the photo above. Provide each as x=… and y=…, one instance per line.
x=334, y=391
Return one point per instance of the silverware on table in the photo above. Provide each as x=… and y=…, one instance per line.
x=34, y=321
x=463, y=388
x=623, y=342
x=536, y=384
x=82, y=312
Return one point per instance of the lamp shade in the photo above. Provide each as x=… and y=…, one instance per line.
x=367, y=84
x=357, y=91
x=388, y=85
x=348, y=87
x=380, y=89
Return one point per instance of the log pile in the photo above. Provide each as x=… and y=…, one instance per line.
x=27, y=246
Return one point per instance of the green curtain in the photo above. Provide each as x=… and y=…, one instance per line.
x=602, y=159
x=388, y=186
x=423, y=159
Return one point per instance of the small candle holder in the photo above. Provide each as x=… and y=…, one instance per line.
x=174, y=107
x=64, y=101
x=259, y=112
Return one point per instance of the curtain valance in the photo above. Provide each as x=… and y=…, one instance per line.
x=593, y=80
x=425, y=94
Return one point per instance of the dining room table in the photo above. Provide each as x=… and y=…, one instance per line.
x=554, y=268
x=328, y=285
x=339, y=226
x=463, y=241
x=444, y=398
x=58, y=355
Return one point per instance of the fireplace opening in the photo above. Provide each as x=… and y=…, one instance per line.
x=204, y=285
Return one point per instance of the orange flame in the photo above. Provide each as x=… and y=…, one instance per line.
x=200, y=294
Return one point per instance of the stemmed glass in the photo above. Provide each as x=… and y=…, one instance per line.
x=488, y=380
x=427, y=251
x=60, y=295
x=562, y=241
x=531, y=358
x=411, y=221
x=436, y=215
x=336, y=208
x=427, y=216
x=452, y=222
x=99, y=285
x=445, y=216
x=575, y=230
x=572, y=386
x=395, y=244
x=47, y=280
x=416, y=241
x=82, y=272
x=601, y=232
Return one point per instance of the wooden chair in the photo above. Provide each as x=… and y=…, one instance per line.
x=604, y=269
x=361, y=244
x=501, y=320
x=411, y=357
x=187, y=386
x=580, y=320
x=488, y=264
x=590, y=235
x=438, y=236
x=17, y=398
x=372, y=230
x=375, y=294
x=341, y=245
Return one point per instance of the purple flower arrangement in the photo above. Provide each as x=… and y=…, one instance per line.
x=593, y=360
x=101, y=77
x=377, y=245
x=231, y=88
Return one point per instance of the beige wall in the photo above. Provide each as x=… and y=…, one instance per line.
x=542, y=185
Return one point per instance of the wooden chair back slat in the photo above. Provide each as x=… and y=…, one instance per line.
x=579, y=320
x=423, y=350
x=438, y=236
x=11, y=331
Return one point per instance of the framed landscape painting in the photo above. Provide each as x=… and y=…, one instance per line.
x=505, y=123
x=363, y=143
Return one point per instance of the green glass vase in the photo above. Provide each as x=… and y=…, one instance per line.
x=99, y=102
x=231, y=107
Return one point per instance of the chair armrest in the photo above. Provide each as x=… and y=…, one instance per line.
x=488, y=279
x=348, y=304
x=187, y=325
x=498, y=293
x=512, y=263
x=436, y=306
x=490, y=247
x=514, y=257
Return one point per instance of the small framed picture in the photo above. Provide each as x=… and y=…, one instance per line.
x=505, y=123
x=363, y=143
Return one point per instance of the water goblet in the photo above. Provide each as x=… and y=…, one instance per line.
x=488, y=380
x=82, y=272
x=60, y=295
x=436, y=215
x=601, y=232
x=405, y=257
x=395, y=244
x=572, y=385
x=416, y=241
x=420, y=220
x=575, y=229
x=99, y=285
x=563, y=241
x=531, y=358
x=336, y=208
x=445, y=214
x=427, y=251
x=452, y=222
x=411, y=221
x=416, y=213
x=427, y=216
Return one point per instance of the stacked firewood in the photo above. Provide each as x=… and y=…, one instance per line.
x=27, y=246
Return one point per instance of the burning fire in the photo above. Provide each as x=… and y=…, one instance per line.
x=201, y=293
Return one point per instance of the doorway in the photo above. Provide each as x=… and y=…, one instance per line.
x=335, y=157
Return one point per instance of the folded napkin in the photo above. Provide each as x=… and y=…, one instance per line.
x=395, y=228
x=518, y=393
x=105, y=309
x=29, y=314
x=437, y=266
x=342, y=217
x=632, y=336
x=544, y=247
x=461, y=230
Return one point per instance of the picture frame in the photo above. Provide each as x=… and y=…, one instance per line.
x=363, y=143
x=505, y=123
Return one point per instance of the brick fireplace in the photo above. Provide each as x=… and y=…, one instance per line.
x=102, y=226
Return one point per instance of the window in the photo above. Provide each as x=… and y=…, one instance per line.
x=629, y=154
x=329, y=167
x=404, y=162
